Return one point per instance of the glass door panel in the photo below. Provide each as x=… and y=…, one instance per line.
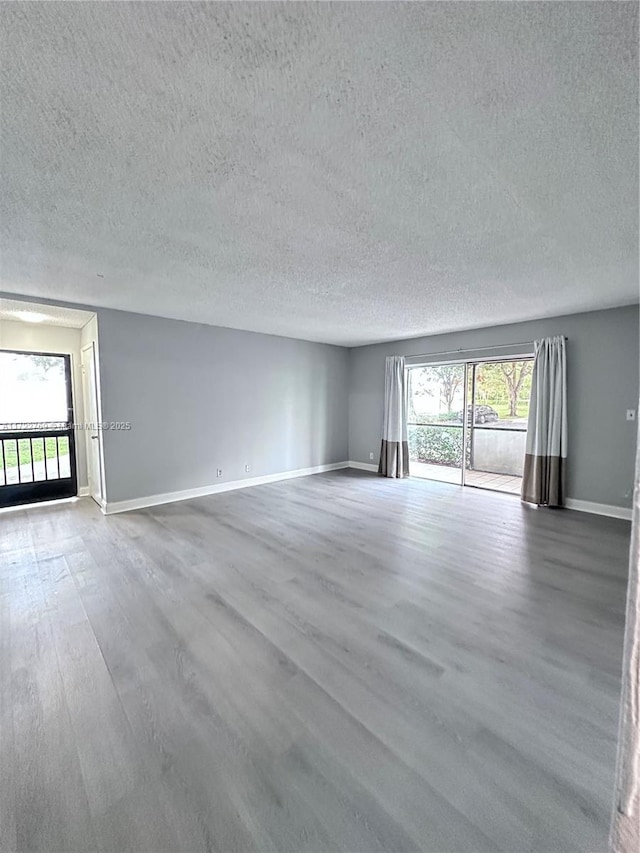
x=435, y=423
x=37, y=450
x=498, y=395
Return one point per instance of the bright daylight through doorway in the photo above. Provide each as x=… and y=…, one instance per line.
x=484, y=447
x=37, y=450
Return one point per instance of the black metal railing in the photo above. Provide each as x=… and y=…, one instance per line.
x=36, y=465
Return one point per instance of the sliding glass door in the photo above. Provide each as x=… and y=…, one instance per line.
x=467, y=422
x=498, y=395
x=434, y=418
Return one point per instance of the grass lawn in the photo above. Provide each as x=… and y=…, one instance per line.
x=41, y=446
x=503, y=409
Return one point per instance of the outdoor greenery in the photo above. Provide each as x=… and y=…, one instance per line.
x=504, y=410
x=39, y=367
x=504, y=385
x=435, y=444
x=11, y=456
x=449, y=380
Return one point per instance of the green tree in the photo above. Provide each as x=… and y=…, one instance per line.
x=515, y=373
x=37, y=366
x=490, y=384
x=47, y=363
x=448, y=378
x=417, y=388
x=451, y=378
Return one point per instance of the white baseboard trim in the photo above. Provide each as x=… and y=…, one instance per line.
x=85, y=492
x=599, y=509
x=364, y=466
x=570, y=503
x=113, y=507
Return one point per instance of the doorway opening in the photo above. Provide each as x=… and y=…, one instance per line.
x=467, y=422
x=91, y=431
x=45, y=406
x=37, y=443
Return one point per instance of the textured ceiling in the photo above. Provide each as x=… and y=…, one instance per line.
x=47, y=315
x=345, y=172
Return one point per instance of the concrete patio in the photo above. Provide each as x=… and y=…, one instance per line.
x=482, y=479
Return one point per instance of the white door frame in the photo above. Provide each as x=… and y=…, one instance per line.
x=92, y=436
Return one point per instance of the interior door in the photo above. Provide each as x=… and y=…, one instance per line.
x=92, y=436
x=37, y=446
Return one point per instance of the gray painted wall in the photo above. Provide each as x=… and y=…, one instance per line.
x=201, y=398
x=602, y=384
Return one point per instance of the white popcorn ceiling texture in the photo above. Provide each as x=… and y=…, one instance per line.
x=338, y=172
x=48, y=315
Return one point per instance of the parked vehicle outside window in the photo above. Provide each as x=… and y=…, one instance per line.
x=483, y=415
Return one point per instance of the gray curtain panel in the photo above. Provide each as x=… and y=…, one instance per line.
x=394, y=453
x=546, y=449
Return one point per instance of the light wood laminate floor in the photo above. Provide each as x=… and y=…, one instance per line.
x=338, y=662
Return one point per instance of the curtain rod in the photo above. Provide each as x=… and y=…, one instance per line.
x=474, y=349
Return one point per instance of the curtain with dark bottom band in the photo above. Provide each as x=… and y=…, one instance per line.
x=543, y=481
x=394, y=453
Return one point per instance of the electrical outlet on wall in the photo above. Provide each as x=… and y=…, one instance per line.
x=371, y=455
x=247, y=468
x=218, y=472
x=631, y=414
